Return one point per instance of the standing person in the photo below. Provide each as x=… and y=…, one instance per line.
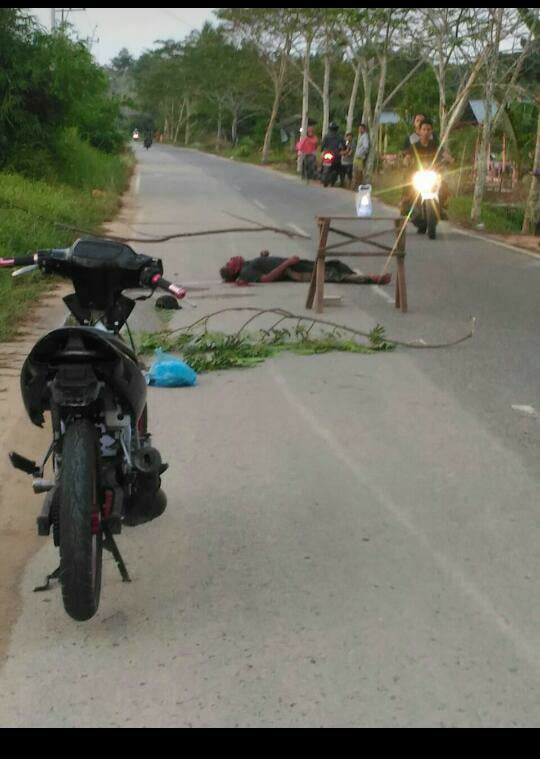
x=347, y=159
x=361, y=154
x=307, y=148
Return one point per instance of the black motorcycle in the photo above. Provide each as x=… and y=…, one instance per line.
x=330, y=167
x=105, y=471
x=147, y=142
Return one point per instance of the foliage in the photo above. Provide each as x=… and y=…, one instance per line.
x=21, y=231
x=48, y=83
x=211, y=351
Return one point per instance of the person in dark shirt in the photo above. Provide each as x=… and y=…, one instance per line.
x=333, y=140
x=267, y=268
x=423, y=154
x=414, y=137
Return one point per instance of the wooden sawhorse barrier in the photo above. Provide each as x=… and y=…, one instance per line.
x=316, y=286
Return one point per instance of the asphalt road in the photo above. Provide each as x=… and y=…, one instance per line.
x=350, y=540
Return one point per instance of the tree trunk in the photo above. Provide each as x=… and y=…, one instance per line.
x=187, y=133
x=305, y=97
x=270, y=127
x=234, y=127
x=480, y=183
x=366, y=79
x=354, y=95
x=218, y=132
x=532, y=209
x=326, y=94
x=374, y=136
x=491, y=70
x=278, y=80
x=179, y=123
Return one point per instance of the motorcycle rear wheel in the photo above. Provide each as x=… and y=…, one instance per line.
x=81, y=538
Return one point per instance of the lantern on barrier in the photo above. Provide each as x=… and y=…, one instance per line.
x=363, y=201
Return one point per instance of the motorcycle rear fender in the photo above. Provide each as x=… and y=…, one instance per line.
x=75, y=363
x=75, y=385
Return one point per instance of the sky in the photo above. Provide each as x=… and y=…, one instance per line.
x=133, y=28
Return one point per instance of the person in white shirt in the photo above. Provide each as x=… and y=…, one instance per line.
x=360, y=155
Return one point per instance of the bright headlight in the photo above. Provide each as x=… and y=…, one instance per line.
x=425, y=181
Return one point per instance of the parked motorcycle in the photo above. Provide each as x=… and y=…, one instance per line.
x=105, y=471
x=427, y=211
x=329, y=167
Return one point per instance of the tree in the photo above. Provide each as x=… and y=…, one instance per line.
x=496, y=25
x=374, y=33
x=272, y=31
x=531, y=219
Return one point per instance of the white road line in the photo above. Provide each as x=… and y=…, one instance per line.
x=526, y=647
x=137, y=183
x=260, y=205
x=297, y=229
x=376, y=289
x=501, y=244
x=382, y=294
x=529, y=410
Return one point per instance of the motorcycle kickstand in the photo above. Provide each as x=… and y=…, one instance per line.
x=109, y=544
x=54, y=576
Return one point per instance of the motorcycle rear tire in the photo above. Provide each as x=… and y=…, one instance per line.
x=81, y=548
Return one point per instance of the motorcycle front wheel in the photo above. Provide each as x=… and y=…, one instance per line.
x=81, y=538
x=431, y=220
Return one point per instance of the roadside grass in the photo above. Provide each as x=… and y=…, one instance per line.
x=497, y=217
x=26, y=230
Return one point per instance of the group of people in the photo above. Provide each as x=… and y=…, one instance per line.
x=420, y=149
x=351, y=154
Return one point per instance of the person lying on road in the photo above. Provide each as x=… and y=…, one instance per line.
x=267, y=268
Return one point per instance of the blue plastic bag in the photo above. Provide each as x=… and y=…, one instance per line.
x=168, y=371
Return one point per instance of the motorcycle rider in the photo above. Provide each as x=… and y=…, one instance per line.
x=423, y=153
x=414, y=137
x=334, y=143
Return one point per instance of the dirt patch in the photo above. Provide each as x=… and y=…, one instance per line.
x=528, y=242
x=19, y=506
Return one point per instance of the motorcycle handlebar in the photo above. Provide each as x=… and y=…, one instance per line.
x=57, y=256
x=21, y=261
x=158, y=281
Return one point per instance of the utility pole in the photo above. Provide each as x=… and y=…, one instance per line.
x=63, y=11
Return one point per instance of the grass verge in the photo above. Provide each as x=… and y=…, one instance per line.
x=22, y=231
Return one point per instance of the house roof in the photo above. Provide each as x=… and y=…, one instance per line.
x=389, y=117
x=478, y=107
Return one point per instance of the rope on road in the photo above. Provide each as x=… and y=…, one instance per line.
x=257, y=228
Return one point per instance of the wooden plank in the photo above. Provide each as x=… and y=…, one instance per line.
x=402, y=284
x=313, y=282
x=320, y=265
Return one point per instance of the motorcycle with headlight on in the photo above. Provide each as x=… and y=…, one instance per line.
x=427, y=212
x=105, y=473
